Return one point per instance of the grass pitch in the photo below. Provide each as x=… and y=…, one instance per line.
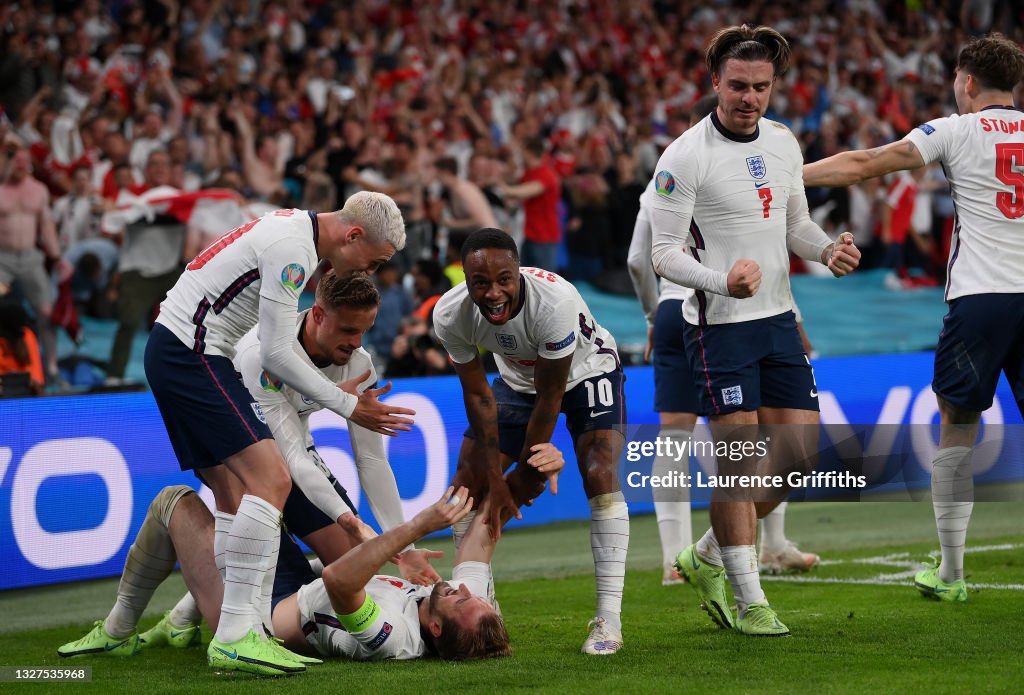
x=858, y=625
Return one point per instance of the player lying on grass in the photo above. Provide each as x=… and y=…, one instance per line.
x=349, y=611
x=328, y=337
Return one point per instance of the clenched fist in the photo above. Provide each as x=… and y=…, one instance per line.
x=744, y=279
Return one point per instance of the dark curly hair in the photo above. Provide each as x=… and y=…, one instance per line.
x=994, y=61
x=748, y=43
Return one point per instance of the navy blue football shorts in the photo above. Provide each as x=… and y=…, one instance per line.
x=674, y=387
x=293, y=571
x=746, y=365
x=208, y=412
x=597, y=403
x=982, y=335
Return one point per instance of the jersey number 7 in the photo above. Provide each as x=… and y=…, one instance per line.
x=1009, y=161
x=765, y=194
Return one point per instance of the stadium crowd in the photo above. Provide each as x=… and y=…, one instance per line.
x=544, y=119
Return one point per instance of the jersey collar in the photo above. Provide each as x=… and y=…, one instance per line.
x=316, y=231
x=1002, y=108
x=522, y=297
x=729, y=135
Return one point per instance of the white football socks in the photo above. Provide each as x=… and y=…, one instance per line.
x=185, y=613
x=953, y=502
x=773, y=530
x=672, y=505
x=221, y=530
x=263, y=621
x=251, y=545
x=708, y=550
x=609, y=540
x=150, y=560
x=741, y=567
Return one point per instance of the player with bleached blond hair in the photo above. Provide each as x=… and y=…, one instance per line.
x=256, y=273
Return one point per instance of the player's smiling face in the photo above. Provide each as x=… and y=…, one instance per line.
x=337, y=333
x=492, y=276
x=744, y=89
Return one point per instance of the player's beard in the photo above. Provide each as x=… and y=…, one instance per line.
x=435, y=595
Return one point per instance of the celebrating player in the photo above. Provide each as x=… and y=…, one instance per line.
x=677, y=406
x=982, y=151
x=329, y=337
x=730, y=190
x=257, y=272
x=552, y=357
x=349, y=612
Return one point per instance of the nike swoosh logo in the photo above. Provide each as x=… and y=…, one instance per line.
x=940, y=591
x=112, y=647
x=814, y=393
x=176, y=633
x=601, y=412
x=230, y=655
x=761, y=185
x=696, y=565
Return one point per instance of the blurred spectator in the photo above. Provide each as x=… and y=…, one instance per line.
x=453, y=270
x=394, y=305
x=21, y=370
x=416, y=352
x=428, y=284
x=539, y=189
x=26, y=226
x=590, y=226
x=468, y=208
x=150, y=264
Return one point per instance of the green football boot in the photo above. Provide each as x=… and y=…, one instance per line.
x=760, y=621
x=100, y=643
x=709, y=583
x=930, y=585
x=166, y=634
x=252, y=655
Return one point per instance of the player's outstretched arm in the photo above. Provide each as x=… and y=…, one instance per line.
x=346, y=577
x=549, y=379
x=486, y=475
x=851, y=167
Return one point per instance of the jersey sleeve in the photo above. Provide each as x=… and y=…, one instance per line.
x=284, y=268
x=448, y=327
x=383, y=631
x=556, y=335
x=675, y=186
x=933, y=139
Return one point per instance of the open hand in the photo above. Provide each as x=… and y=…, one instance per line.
x=414, y=565
x=381, y=417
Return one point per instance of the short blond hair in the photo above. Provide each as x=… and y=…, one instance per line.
x=378, y=215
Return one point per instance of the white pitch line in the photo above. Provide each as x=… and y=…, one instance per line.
x=876, y=582
x=903, y=560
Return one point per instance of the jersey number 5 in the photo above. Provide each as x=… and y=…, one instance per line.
x=765, y=194
x=1009, y=161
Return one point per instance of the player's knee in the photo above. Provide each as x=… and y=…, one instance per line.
x=162, y=506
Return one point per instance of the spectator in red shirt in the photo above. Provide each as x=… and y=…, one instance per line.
x=539, y=189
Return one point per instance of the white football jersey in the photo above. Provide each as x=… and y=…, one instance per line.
x=393, y=633
x=666, y=288
x=983, y=157
x=216, y=300
x=735, y=191
x=554, y=322
x=287, y=412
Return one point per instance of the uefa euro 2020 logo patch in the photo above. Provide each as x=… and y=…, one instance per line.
x=293, y=276
x=664, y=184
x=756, y=167
x=269, y=383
